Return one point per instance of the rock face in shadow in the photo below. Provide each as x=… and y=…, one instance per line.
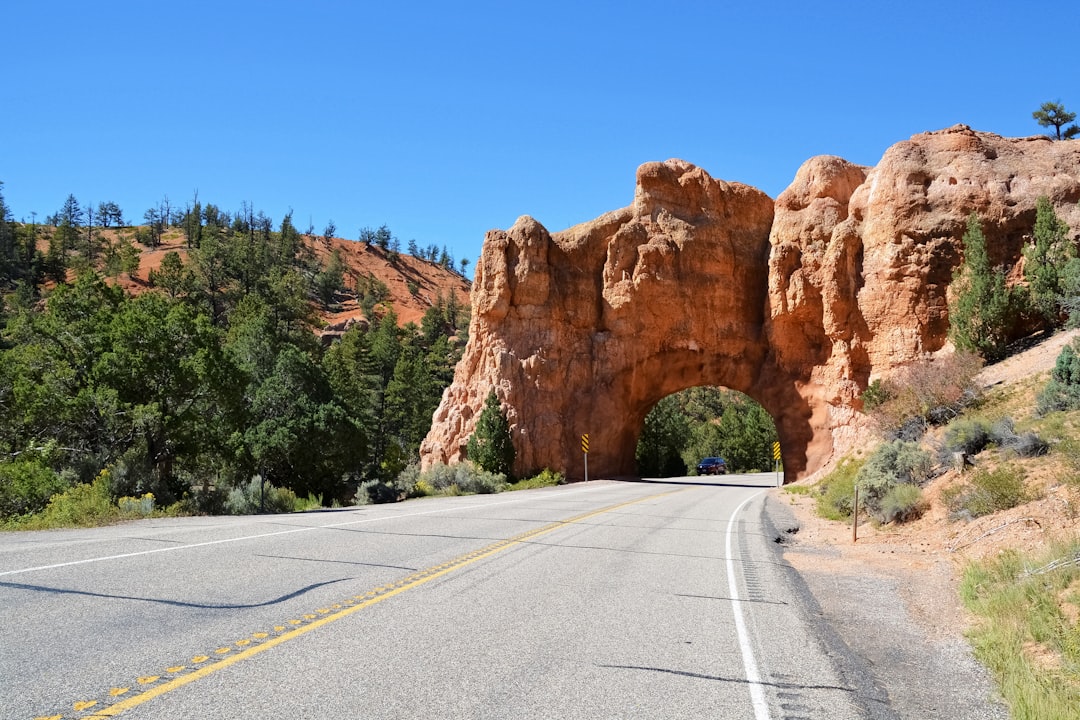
x=798, y=303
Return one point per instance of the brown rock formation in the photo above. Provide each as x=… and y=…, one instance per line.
x=703, y=282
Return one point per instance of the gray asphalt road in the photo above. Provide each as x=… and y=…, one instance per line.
x=605, y=600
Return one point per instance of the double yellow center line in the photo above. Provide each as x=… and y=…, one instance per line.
x=261, y=641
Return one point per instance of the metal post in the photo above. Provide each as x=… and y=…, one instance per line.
x=585, y=452
x=855, y=518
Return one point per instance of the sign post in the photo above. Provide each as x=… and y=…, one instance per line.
x=776, y=461
x=855, y=517
x=585, y=450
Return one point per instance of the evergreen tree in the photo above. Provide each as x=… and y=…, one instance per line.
x=1052, y=114
x=1062, y=391
x=982, y=305
x=748, y=434
x=63, y=240
x=410, y=403
x=164, y=363
x=491, y=446
x=289, y=240
x=54, y=394
x=351, y=370
x=331, y=279
x=9, y=256
x=383, y=237
x=300, y=435
x=662, y=437
x=1047, y=259
x=209, y=271
x=155, y=226
x=109, y=214
x=171, y=276
x=192, y=223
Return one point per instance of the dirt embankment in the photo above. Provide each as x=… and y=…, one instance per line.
x=932, y=550
x=919, y=563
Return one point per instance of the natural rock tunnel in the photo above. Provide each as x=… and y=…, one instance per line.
x=797, y=302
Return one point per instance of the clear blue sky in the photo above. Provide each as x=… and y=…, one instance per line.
x=444, y=120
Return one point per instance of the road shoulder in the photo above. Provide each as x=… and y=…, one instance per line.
x=894, y=615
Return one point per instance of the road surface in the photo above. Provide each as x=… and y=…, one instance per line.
x=662, y=599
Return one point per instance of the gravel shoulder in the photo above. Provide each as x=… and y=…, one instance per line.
x=893, y=614
x=891, y=597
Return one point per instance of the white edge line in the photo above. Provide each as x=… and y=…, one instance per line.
x=308, y=528
x=753, y=679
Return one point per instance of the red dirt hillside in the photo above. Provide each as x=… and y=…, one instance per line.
x=361, y=260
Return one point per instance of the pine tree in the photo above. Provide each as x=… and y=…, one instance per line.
x=491, y=445
x=1055, y=114
x=982, y=304
x=8, y=246
x=1046, y=260
x=68, y=225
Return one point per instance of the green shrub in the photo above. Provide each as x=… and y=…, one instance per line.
x=407, y=482
x=422, y=488
x=465, y=476
x=473, y=480
x=440, y=476
x=876, y=394
x=256, y=497
x=1062, y=390
x=545, y=478
x=136, y=506
x=901, y=503
x=987, y=492
x=26, y=487
x=967, y=435
x=836, y=491
x=311, y=502
x=890, y=465
x=83, y=505
x=378, y=492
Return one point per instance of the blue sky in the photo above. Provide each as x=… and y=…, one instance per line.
x=445, y=120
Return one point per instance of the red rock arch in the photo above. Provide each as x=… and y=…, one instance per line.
x=584, y=331
x=796, y=303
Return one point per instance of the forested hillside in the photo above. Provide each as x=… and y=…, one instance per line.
x=189, y=375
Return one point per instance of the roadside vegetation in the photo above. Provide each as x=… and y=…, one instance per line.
x=209, y=391
x=985, y=454
x=1028, y=634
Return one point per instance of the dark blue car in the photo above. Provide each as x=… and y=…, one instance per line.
x=712, y=466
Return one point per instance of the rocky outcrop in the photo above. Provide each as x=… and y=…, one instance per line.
x=798, y=303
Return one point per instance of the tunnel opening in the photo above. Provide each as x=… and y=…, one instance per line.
x=686, y=427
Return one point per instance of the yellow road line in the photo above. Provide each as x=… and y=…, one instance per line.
x=382, y=593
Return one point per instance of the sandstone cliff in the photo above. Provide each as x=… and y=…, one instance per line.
x=797, y=302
